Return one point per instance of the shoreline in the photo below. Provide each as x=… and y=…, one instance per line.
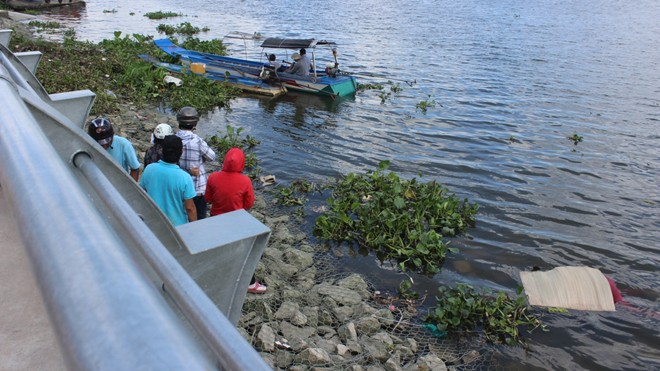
x=312, y=317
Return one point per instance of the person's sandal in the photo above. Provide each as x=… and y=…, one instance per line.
x=257, y=288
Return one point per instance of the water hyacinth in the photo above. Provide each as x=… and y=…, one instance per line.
x=405, y=220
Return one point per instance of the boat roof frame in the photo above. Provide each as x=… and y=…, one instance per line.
x=281, y=43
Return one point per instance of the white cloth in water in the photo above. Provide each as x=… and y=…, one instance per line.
x=581, y=288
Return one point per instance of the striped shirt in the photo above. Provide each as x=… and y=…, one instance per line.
x=195, y=152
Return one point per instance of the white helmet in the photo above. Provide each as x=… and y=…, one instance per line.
x=163, y=130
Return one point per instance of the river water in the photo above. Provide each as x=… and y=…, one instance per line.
x=512, y=80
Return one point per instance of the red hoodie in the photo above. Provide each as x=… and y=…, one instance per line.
x=229, y=190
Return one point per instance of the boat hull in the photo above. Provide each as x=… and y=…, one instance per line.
x=322, y=84
x=38, y=4
x=248, y=85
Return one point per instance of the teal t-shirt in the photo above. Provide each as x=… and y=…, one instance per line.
x=169, y=187
x=123, y=152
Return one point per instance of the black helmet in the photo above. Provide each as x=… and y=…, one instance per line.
x=187, y=117
x=101, y=130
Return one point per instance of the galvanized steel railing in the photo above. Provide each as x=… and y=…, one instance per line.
x=96, y=259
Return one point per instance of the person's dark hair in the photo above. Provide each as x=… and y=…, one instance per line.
x=272, y=57
x=172, y=149
x=303, y=51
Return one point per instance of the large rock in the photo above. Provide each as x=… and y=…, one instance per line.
x=341, y=295
x=299, y=259
x=299, y=319
x=287, y=310
x=356, y=283
x=367, y=325
x=343, y=314
x=374, y=349
x=383, y=337
x=265, y=339
x=393, y=363
x=431, y=362
x=283, y=270
x=312, y=314
x=291, y=332
x=313, y=357
x=347, y=332
x=282, y=235
x=284, y=359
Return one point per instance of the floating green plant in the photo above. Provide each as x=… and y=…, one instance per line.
x=424, y=105
x=384, y=97
x=405, y=220
x=406, y=291
x=45, y=25
x=287, y=196
x=395, y=87
x=362, y=87
x=161, y=15
x=213, y=46
x=184, y=29
x=575, y=138
x=499, y=316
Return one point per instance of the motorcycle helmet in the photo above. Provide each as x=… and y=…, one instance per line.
x=101, y=130
x=163, y=130
x=187, y=118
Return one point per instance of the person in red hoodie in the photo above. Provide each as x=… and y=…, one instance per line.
x=230, y=190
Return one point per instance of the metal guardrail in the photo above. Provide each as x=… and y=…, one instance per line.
x=101, y=249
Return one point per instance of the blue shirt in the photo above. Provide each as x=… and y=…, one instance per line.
x=123, y=152
x=169, y=187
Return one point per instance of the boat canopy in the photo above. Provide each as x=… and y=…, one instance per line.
x=278, y=43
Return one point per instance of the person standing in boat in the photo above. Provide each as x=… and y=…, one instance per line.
x=297, y=68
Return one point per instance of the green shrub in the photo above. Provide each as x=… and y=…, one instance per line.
x=113, y=70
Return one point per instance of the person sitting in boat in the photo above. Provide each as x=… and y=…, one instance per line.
x=277, y=66
x=305, y=60
x=297, y=68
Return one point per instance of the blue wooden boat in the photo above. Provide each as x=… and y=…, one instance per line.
x=328, y=82
x=38, y=4
x=247, y=84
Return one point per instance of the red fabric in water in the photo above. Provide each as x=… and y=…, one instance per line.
x=616, y=294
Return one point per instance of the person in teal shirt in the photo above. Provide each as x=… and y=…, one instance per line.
x=118, y=147
x=169, y=186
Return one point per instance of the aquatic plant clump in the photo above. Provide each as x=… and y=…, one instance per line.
x=161, y=15
x=498, y=317
x=404, y=220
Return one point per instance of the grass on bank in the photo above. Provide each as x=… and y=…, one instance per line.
x=115, y=73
